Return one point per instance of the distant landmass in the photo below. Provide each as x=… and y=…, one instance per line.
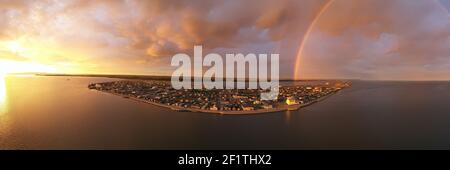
x=149, y=77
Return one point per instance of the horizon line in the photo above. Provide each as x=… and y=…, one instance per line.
x=156, y=75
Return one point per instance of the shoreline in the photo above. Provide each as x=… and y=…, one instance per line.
x=250, y=112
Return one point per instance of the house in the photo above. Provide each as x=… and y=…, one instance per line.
x=291, y=101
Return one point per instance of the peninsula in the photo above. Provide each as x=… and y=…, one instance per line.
x=220, y=101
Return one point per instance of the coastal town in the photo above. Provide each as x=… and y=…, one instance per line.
x=222, y=101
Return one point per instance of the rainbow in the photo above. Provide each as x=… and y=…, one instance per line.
x=311, y=27
x=306, y=37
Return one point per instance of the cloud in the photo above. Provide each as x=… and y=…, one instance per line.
x=167, y=27
x=445, y=4
x=377, y=39
x=120, y=32
x=7, y=55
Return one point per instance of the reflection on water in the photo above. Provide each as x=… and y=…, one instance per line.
x=288, y=116
x=3, y=104
x=62, y=113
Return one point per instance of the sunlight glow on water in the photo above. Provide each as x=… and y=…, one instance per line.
x=3, y=104
x=41, y=112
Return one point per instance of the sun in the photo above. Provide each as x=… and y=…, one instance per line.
x=3, y=69
x=15, y=47
x=28, y=61
x=7, y=66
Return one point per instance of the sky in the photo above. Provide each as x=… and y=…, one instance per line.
x=365, y=39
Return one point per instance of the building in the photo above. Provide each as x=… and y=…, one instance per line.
x=291, y=101
x=248, y=108
x=213, y=108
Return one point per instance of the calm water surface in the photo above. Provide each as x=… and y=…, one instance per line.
x=62, y=113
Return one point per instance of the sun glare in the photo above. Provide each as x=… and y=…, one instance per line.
x=15, y=47
x=22, y=67
x=3, y=104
